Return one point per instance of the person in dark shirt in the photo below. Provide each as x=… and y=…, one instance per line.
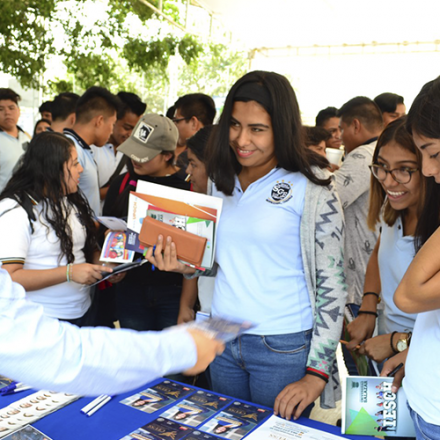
x=147, y=299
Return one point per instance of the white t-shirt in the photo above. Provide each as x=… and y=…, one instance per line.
x=107, y=162
x=11, y=149
x=41, y=250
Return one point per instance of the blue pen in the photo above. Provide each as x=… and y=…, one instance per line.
x=152, y=266
x=14, y=387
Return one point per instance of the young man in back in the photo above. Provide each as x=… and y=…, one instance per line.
x=63, y=111
x=192, y=112
x=329, y=119
x=95, y=116
x=391, y=106
x=110, y=162
x=361, y=125
x=45, y=110
x=13, y=140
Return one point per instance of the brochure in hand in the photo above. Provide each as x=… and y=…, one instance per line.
x=158, y=396
x=221, y=329
x=197, y=408
x=369, y=407
x=204, y=211
x=114, y=249
x=27, y=433
x=121, y=268
x=236, y=421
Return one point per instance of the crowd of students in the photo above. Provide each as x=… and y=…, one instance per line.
x=300, y=238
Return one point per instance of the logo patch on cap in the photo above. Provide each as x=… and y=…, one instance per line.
x=143, y=132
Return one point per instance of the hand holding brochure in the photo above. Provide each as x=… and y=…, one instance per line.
x=222, y=329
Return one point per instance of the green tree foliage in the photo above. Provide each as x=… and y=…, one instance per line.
x=92, y=37
x=24, y=40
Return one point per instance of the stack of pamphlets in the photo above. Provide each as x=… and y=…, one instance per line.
x=158, y=396
x=369, y=407
x=197, y=408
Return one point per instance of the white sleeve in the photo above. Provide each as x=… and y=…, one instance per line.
x=15, y=243
x=48, y=354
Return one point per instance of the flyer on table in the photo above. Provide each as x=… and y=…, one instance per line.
x=277, y=428
x=197, y=408
x=370, y=408
x=236, y=421
x=158, y=396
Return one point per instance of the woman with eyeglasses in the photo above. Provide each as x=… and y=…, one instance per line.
x=419, y=291
x=396, y=199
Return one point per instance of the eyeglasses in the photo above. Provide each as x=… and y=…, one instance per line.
x=177, y=120
x=400, y=175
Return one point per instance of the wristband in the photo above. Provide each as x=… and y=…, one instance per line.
x=68, y=272
x=317, y=373
x=391, y=343
x=373, y=293
x=367, y=312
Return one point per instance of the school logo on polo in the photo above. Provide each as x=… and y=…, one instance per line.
x=281, y=193
x=143, y=132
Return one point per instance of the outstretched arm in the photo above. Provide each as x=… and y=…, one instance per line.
x=46, y=353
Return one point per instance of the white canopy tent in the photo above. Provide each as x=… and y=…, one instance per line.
x=332, y=50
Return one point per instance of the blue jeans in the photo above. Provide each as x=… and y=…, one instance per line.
x=257, y=368
x=147, y=307
x=424, y=430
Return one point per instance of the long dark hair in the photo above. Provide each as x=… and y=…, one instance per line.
x=41, y=178
x=290, y=149
x=395, y=131
x=424, y=119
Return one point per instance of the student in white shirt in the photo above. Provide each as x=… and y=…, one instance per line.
x=396, y=199
x=49, y=244
x=13, y=140
x=95, y=116
x=419, y=291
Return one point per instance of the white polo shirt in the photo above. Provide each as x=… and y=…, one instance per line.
x=107, y=162
x=89, y=181
x=41, y=250
x=11, y=149
x=260, y=274
x=396, y=252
